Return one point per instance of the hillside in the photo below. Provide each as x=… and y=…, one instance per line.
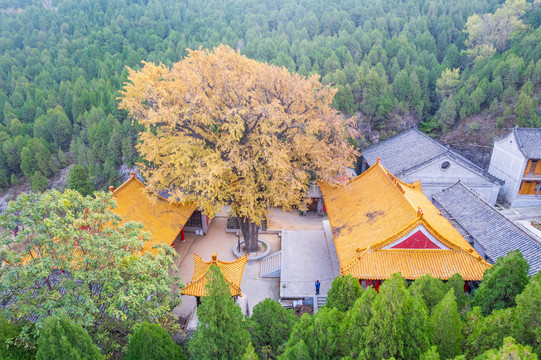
x=62, y=63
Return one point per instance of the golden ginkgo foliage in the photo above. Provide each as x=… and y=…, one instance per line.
x=221, y=129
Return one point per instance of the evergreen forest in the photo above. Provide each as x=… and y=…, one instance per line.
x=472, y=65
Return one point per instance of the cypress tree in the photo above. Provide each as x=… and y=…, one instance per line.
x=356, y=321
x=343, y=293
x=446, y=327
x=152, y=342
x=270, y=327
x=398, y=327
x=62, y=339
x=502, y=283
x=429, y=290
x=221, y=332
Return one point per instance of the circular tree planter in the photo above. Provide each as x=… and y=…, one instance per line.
x=264, y=250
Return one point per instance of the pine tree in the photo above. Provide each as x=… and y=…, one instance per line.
x=343, y=293
x=152, y=342
x=446, y=327
x=62, y=339
x=221, y=333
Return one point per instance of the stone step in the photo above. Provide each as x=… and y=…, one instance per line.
x=271, y=265
x=319, y=302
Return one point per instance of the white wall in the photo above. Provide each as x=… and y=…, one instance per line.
x=435, y=179
x=508, y=163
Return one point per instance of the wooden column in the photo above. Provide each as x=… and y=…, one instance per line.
x=182, y=237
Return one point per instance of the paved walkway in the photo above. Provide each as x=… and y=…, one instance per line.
x=254, y=288
x=305, y=259
x=523, y=217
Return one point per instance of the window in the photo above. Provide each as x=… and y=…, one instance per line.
x=530, y=188
x=445, y=165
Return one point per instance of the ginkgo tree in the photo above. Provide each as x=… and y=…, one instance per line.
x=222, y=129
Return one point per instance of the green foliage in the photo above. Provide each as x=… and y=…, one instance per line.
x=429, y=290
x=152, y=342
x=221, y=332
x=528, y=321
x=270, y=327
x=318, y=336
x=431, y=354
x=250, y=353
x=501, y=283
x=80, y=68
x=456, y=283
x=356, y=321
x=394, y=314
x=299, y=351
x=66, y=242
x=343, y=293
x=39, y=182
x=510, y=350
x=484, y=333
x=62, y=339
x=446, y=327
x=9, y=349
x=79, y=180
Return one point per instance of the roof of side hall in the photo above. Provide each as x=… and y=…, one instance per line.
x=492, y=230
x=528, y=141
x=161, y=218
x=231, y=270
x=412, y=149
x=372, y=213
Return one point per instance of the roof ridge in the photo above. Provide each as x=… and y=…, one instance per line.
x=392, y=138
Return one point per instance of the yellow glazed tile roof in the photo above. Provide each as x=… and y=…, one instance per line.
x=232, y=272
x=161, y=218
x=375, y=209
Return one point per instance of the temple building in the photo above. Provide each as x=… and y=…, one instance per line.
x=412, y=156
x=232, y=272
x=490, y=233
x=164, y=220
x=516, y=158
x=382, y=225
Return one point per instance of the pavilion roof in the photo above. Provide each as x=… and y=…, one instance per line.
x=162, y=218
x=232, y=272
x=374, y=210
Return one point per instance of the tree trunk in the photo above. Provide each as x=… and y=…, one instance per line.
x=250, y=231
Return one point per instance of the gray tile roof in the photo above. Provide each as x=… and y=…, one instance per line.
x=493, y=231
x=529, y=142
x=412, y=149
x=404, y=151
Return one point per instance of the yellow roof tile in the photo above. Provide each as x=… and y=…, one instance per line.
x=375, y=209
x=163, y=219
x=232, y=272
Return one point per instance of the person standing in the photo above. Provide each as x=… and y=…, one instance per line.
x=317, y=283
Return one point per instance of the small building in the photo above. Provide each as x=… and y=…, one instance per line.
x=491, y=233
x=516, y=158
x=413, y=156
x=232, y=272
x=165, y=220
x=382, y=225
